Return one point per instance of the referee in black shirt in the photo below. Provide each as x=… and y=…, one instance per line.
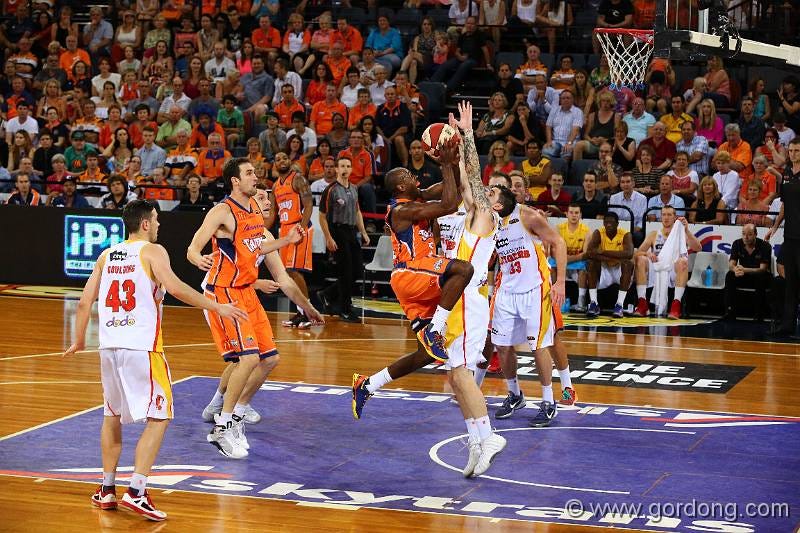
x=340, y=218
x=790, y=212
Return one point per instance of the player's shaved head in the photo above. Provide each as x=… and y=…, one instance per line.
x=394, y=178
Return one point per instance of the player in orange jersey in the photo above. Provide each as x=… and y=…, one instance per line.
x=236, y=228
x=426, y=285
x=294, y=205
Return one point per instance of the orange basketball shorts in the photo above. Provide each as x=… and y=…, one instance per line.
x=297, y=256
x=417, y=285
x=235, y=338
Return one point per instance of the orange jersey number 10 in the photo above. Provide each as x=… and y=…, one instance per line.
x=112, y=298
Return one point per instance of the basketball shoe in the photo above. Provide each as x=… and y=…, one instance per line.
x=142, y=505
x=547, y=412
x=433, y=343
x=675, y=310
x=642, y=308
x=593, y=310
x=568, y=396
x=211, y=410
x=251, y=416
x=223, y=438
x=360, y=394
x=490, y=447
x=474, y=455
x=292, y=322
x=510, y=404
x=105, y=500
x=237, y=427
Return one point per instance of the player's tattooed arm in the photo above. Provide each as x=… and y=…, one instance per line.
x=472, y=164
x=301, y=186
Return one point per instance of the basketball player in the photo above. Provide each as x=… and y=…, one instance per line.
x=526, y=304
x=610, y=260
x=294, y=204
x=648, y=253
x=132, y=277
x=426, y=285
x=284, y=282
x=236, y=228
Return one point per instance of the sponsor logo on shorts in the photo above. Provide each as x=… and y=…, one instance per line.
x=531, y=339
x=438, y=264
x=125, y=322
x=159, y=402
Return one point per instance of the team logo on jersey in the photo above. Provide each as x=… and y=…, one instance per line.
x=424, y=234
x=159, y=402
x=253, y=244
x=448, y=244
x=118, y=255
x=125, y=322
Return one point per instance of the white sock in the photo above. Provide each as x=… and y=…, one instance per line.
x=547, y=393
x=480, y=373
x=484, y=426
x=513, y=386
x=218, y=398
x=566, y=380
x=593, y=295
x=679, y=293
x=109, y=479
x=621, y=297
x=581, y=296
x=439, y=319
x=138, y=483
x=224, y=418
x=239, y=409
x=641, y=291
x=300, y=310
x=472, y=430
x=376, y=381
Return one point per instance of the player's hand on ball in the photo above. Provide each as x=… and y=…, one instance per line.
x=448, y=153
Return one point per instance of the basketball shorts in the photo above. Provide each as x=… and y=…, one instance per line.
x=467, y=328
x=525, y=317
x=417, y=285
x=136, y=385
x=297, y=256
x=609, y=275
x=235, y=338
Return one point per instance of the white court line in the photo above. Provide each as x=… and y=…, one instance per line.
x=73, y=415
x=707, y=349
x=199, y=344
x=48, y=382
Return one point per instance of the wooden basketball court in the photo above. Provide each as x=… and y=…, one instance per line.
x=38, y=386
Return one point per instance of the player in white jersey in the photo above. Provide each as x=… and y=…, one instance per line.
x=526, y=304
x=131, y=278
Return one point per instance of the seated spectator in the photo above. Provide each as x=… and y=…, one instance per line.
x=338, y=64
x=675, y=120
x=563, y=77
x=624, y=152
x=54, y=180
x=259, y=88
x=68, y=196
x=204, y=99
x=320, y=79
x=665, y=196
x=658, y=93
x=555, y=199
x=283, y=76
x=695, y=146
x=206, y=125
x=635, y=201
x=553, y=15
x=181, y=160
x=728, y=181
x=159, y=188
x=93, y=175
x=768, y=177
x=119, y=194
x=322, y=112
x=426, y=172
x=536, y=168
x=748, y=267
x=232, y=121
x=378, y=86
x=785, y=134
x=210, y=163
x=650, y=251
x=134, y=171
x=267, y=41
x=167, y=131
x=563, y=126
x=753, y=202
x=524, y=129
x=789, y=101
x=24, y=194
x=351, y=89
x=613, y=14
x=272, y=138
x=761, y=104
x=364, y=170
x=394, y=120
x=709, y=204
x=22, y=122
x=639, y=121
x=752, y=127
x=287, y=107
x=609, y=261
x=373, y=141
x=519, y=186
x=51, y=98
x=470, y=51
x=685, y=181
x=591, y=200
x=21, y=148
x=606, y=170
x=773, y=150
x=460, y=10
x=387, y=44
x=510, y=86
x=498, y=161
x=405, y=90
x=599, y=128
x=104, y=76
x=339, y=135
x=75, y=154
x=367, y=67
x=316, y=169
x=350, y=37
x=718, y=83
x=495, y=124
x=57, y=129
x=295, y=150
x=708, y=124
x=532, y=67
x=362, y=108
x=322, y=38
x=151, y=155
x=741, y=154
x=600, y=76
x=320, y=184
x=254, y=154
x=542, y=98
x=663, y=148
x=194, y=199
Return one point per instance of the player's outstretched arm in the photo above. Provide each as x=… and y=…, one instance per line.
x=472, y=185
x=294, y=236
x=156, y=256
x=214, y=219
x=289, y=287
x=536, y=223
x=88, y=297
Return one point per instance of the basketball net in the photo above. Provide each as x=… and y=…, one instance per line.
x=628, y=53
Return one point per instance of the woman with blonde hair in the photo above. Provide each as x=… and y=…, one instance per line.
x=709, y=204
x=499, y=161
x=708, y=124
x=719, y=84
x=21, y=147
x=495, y=124
x=51, y=98
x=752, y=203
x=321, y=39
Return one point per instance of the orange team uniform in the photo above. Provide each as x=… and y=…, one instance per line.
x=418, y=271
x=231, y=279
x=285, y=112
x=271, y=39
x=356, y=114
x=338, y=68
x=295, y=256
x=322, y=115
x=209, y=165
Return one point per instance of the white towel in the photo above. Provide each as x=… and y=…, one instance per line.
x=673, y=248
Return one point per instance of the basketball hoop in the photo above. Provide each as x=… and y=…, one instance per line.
x=628, y=52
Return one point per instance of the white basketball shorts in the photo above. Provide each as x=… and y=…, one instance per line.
x=136, y=385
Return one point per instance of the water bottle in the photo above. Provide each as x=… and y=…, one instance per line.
x=708, y=280
x=566, y=305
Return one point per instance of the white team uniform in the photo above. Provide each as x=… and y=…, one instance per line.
x=136, y=380
x=521, y=308
x=657, y=245
x=468, y=323
x=609, y=275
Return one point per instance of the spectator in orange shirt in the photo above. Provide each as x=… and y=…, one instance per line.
x=206, y=126
x=364, y=170
x=297, y=43
x=322, y=112
x=161, y=191
x=267, y=40
x=315, y=92
x=352, y=41
x=210, y=163
x=296, y=152
x=287, y=107
x=364, y=107
x=72, y=55
x=741, y=154
x=142, y=114
x=338, y=63
x=93, y=174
